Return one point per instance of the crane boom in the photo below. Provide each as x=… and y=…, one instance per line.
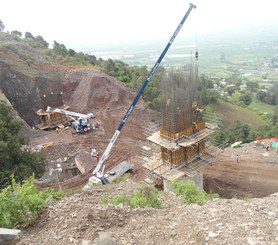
x=133, y=104
x=71, y=113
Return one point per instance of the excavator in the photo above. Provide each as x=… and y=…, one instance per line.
x=98, y=173
x=80, y=123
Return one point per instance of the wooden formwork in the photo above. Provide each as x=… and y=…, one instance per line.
x=178, y=156
x=197, y=126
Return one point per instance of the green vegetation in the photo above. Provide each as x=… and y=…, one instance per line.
x=22, y=204
x=227, y=64
x=260, y=108
x=148, y=196
x=145, y=196
x=2, y=27
x=14, y=159
x=123, y=178
x=245, y=132
x=191, y=193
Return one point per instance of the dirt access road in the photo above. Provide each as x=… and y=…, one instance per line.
x=255, y=173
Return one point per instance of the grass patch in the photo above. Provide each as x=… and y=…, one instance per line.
x=232, y=113
x=123, y=178
x=191, y=193
x=260, y=107
x=145, y=196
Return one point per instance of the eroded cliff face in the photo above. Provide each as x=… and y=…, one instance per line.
x=85, y=90
x=19, y=90
x=29, y=94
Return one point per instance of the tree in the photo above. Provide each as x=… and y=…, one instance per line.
x=14, y=160
x=252, y=85
x=275, y=116
x=2, y=27
x=42, y=43
x=230, y=90
x=16, y=33
x=71, y=52
x=29, y=35
x=246, y=99
x=261, y=95
x=60, y=49
x=275, y=91
x=238, y=132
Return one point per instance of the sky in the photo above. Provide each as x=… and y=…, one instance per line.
x=86, y=23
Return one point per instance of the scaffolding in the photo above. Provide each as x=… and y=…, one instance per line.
x=183, y=134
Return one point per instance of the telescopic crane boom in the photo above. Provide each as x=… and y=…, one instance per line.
x=71, y=113
x=80, y=123
x=97, y=171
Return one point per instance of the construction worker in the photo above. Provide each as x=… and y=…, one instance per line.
x=94, y=152
x=177, y=139
x=195, y=129
x=196, y=108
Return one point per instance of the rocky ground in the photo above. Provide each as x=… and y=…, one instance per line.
x=81, y=219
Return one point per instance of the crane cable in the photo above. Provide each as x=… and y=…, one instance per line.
x=196, y=41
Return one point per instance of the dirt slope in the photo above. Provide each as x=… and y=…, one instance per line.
x=80, y=219
x=255, y=174
x=108, y=99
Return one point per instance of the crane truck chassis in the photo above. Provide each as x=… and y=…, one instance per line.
x=98, y=173
x=80, y=123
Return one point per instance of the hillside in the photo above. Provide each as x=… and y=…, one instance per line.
x=81, y=219
x=81, y=216
x=231, y=112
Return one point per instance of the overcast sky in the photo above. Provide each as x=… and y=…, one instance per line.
x=90, y=22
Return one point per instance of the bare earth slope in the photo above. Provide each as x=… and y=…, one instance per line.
x=109, y=99
x=80, y=219
x=255, y=174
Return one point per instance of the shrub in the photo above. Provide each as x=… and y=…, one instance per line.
x=21, y=204
x=191, y=193
x=246, y=99
x=146, y=196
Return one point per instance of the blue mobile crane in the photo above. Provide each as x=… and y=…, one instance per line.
x=98, y=173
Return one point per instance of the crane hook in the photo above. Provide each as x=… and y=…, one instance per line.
x=196, y=55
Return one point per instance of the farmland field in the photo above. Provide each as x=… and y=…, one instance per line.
x=232, y=113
